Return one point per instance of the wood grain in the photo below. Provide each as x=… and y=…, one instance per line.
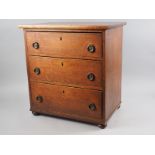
x=75, y=25
x=64, y=63
x=58, y=44
x=66, y=71
x=113, y=69
x=68, y=100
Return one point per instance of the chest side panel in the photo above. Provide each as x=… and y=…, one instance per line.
x=113, y=69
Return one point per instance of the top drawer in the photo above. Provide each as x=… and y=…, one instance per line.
x=69, y=45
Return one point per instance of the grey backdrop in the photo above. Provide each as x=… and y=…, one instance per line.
x=137, y=114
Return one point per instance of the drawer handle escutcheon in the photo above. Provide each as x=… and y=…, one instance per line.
x=91, y=77
x=37, y=71
x=39, y=99
x=35, y=45
x=92, y=107
x=91, y=48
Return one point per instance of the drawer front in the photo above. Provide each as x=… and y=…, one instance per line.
x=48, y=99
x=72, y=45
x=66, y=71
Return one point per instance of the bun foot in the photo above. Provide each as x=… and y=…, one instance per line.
x=118, y=106
x=35, y=113
x=102, y=126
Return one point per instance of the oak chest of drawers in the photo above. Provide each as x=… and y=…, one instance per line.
x=74, y=70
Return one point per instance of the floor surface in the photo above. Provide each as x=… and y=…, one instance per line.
x=136, y=115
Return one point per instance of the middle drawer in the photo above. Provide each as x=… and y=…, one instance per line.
x=74, y=72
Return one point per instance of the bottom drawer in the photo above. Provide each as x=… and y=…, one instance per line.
x=49, y=99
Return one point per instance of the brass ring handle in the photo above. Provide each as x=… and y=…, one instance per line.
x=91, y=77
x=92, y=107
x=37, y=71
x=35, y=45
x=39, y=99
x=91, y=48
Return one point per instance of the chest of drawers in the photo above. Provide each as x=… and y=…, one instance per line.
x=74, y=70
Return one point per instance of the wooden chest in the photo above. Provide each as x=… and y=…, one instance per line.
x=74, y=70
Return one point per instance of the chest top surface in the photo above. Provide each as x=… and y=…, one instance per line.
x=74, y=25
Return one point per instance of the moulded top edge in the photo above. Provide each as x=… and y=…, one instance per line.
x=75, y=25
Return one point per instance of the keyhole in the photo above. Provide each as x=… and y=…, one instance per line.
x=60, y=38
x=63, y=91
x=62, y=64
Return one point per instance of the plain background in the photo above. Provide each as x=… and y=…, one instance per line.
x=136, y=115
